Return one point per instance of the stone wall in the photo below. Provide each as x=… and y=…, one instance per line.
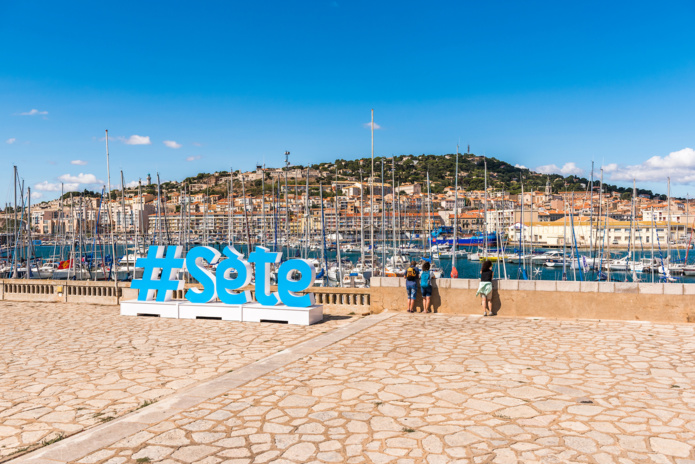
x=517, y=298
x=549, y=299
x=357, y=300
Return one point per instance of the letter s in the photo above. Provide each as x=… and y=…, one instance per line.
x=243, y=278
x=204, y=276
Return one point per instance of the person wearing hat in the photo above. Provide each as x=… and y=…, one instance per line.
x=411, y=277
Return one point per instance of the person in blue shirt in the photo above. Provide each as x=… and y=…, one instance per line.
x=412, y=275
x=426, y=286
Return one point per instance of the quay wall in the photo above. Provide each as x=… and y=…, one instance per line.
x=671, y=303
x=656, y=302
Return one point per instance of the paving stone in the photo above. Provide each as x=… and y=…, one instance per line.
x=442, y=389
x=193, y=453
x=670, y=447
x=79, y=365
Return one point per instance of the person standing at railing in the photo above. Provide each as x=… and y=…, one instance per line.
x=411, y=277
x=426, y=286
x=485, y=287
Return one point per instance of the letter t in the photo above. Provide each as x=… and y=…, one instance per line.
x=262, y=258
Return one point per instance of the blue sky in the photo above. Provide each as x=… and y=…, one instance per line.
x=549, y=85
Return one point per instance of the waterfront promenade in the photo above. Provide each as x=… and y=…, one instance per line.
x=385, y=388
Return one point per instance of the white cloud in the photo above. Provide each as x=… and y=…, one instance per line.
x=193, y=158
x=678, y=165
x=172, y=144
x=78, y=162
x=81, y=179
x=34, y=112
x=11, y=140
x=610, y=167
x=197, y=144
x=46, y=186
x=138, y=140
x=132, y=184
x=36, y=195
x=520, y=166
x=368, y=125
x=567, y=169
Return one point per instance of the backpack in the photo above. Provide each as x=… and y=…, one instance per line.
x=425, y=279
x=410, y=275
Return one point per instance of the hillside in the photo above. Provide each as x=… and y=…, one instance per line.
x=502, y=176
x=441, y=168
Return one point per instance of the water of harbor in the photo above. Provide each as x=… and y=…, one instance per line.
x=467, y=269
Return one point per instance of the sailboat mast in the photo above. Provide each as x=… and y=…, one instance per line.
x=591, y=215
x=231, y=201
x=485, y=244
x=393, y=205
x=230, y=206
x=371, y=200
x=27, y=273
x=383, y=222
x=324, y=255
x=125, y=232
x=362, y=222
x=307, y=221
x=246, y=215
x=15, y=228
x=429, y=214
x=294, y=202
x=108, y=205
x=668, y=218
x=456, y=215
x=287, y=209
x=633, y=225
x=564, y=237
x=337, y=230
x=521, y=229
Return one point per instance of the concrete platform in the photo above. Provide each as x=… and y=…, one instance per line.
x=255, y=312
x=168, y=309
x=221, y=311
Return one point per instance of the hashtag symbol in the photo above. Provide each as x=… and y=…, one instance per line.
x=165, y=284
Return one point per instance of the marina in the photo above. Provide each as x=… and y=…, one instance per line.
x=595, y=238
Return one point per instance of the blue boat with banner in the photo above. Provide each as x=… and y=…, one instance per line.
x=444, y=235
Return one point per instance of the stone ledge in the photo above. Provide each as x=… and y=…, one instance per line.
x=508, y=284
x=673, y=289
x=463, y=284
x=651, y=289
x=546, y=285
x=588, y=287
x=626, y=287
x=606, y=287
x=568, y=286
x=391, y=281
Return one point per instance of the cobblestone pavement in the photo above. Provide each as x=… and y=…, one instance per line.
x=64, y=367
x=441, y=389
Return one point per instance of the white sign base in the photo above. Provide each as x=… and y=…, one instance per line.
x=249, y=312
x=210, y=310
x=168, y=309
x=254, y=312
